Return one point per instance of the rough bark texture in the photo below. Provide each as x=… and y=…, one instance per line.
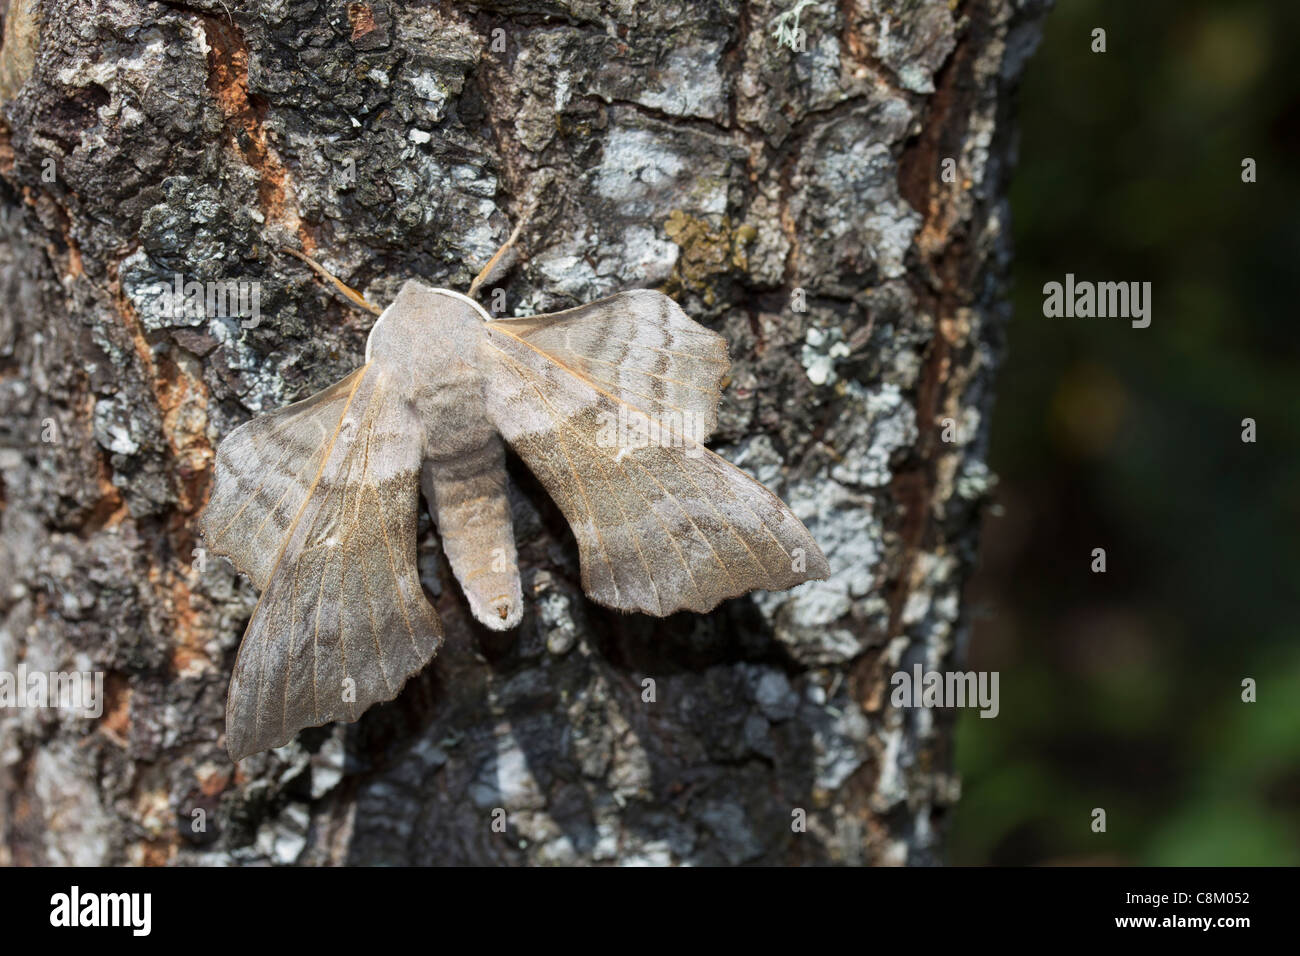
x=673, y=145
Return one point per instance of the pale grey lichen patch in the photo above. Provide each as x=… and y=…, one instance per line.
x=812, y=618
x=648, y=169
x=636, y=171
x=588, y=267
x=77, y=829
x=820, y=70
x=855, y=221
x=914, y=45
x=976, y=480
x=150, y=290
x=505, y=780
x=429, y=88
x=686, y=84
x=897, y=757
x=774, y=695
x=566, y=273
x=758, y=457
x=845, y=526
x=890, y=229
x=113, y=427
x=877, y=424
x=650, y=853
x=840, y=735
x=327, y=764
x=976, y=151
x=282, y=838
x=641, y=257
x=930, y=619
x=629, y=776
x=766, y=254
x=133, y=62
x=556, y=623
x=820, y=350
x=465, y=191
x=935, y=572
x=562, y=90
x=445, y=51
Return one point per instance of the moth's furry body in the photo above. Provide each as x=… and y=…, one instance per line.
x=317, y=502
x=464, y=475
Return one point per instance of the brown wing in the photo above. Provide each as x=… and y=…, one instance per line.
x=342, y=621
x=662, y=523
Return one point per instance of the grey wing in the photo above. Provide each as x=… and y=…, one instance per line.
x=263, y=471
x=640, y=347
x=661, y=526
x=342, y=621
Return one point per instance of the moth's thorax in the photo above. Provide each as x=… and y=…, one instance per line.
x=426, y=331
x=427, y=346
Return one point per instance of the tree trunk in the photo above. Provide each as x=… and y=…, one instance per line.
x=793, y=199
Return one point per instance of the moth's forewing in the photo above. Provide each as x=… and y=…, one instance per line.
x=317, y=503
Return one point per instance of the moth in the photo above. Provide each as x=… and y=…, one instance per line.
x=317, y=502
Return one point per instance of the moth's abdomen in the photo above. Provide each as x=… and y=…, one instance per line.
x=467, y=499
x=453, y=410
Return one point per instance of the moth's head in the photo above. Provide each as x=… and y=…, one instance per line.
x=418, y=317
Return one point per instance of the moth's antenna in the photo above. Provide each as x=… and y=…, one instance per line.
x=503, y=258
x=355, y=297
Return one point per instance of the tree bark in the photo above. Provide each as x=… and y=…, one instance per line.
x=792, y=200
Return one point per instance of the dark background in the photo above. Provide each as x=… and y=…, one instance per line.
x=1123, y=690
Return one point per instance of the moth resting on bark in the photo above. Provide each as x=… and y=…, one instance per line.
x=317, y=502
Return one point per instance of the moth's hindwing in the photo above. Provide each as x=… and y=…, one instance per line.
x=662, y=523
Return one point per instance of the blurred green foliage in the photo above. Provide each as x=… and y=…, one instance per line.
x=1123, y=690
